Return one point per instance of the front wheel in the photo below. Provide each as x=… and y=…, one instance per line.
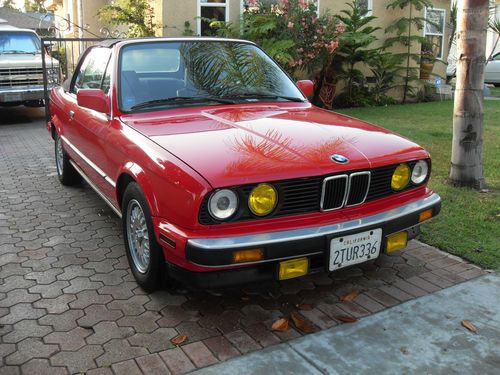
x=65, y=171
x=144, y=255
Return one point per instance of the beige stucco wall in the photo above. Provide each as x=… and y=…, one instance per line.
x=90, y=20
x=387, y=16
x=172, y=14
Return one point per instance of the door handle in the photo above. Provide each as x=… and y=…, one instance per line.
x=71, y=115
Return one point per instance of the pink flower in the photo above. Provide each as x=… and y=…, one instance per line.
x=285, y=2
x=303, y=4
x=251, y=3
x=340, y=28
x=290, y=25
x=332, y=46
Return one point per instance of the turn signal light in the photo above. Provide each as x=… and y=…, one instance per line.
x=425, y=215
x=396, y=241
x=293, y=268
x=251, y=255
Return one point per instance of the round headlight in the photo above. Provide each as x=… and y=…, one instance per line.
x=223, y=204
x=262, y=199
x=420, y=171
x=400, y=177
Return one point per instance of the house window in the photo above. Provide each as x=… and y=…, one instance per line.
x=367, y=5
x=434, y=29
x=211, y=10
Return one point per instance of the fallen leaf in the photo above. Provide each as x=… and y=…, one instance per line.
x=305, y=306
x=346, y=318
x=403, y=350
x=302, y=324
x=177, y=340
x=281, y=325
x=349, y=297
x=468, y=324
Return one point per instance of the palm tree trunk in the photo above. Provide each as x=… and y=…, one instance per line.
x=407, y=76
x=467, y=146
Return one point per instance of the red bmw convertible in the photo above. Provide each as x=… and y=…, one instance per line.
x=223, y=172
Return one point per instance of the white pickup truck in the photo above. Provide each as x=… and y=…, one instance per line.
x=21, y=68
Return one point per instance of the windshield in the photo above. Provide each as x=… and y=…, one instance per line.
x=19, y=42
x=157, y=74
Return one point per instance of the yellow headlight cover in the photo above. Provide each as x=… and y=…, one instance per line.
x=262, y=199
x=400, y=177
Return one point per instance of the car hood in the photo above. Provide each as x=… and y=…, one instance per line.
x=242, y=144
x=25, y=60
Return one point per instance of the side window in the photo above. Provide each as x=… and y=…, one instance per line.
x=91, y=73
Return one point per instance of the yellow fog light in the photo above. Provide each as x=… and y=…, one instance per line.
x=396, y=241
x=251, y=255
x=262, y=199
x=425, y=215
x=293, y=268
x=400, y=177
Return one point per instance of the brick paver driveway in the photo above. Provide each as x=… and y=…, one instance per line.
x=68, y=302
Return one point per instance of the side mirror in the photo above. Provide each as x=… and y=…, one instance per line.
x=94, y=99
x=306, y=86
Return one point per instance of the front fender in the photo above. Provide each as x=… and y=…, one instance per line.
x=136, y=172
x=54, y=124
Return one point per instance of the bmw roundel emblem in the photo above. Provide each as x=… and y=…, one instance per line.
x=341, y=159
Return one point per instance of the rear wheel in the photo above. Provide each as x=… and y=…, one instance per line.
x=144, y=255
x=65, y=171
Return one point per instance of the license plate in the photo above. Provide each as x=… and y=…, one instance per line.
x=8, y=97
x=355, y=248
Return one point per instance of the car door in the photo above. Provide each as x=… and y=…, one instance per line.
x=492, y=70
x=91, y=127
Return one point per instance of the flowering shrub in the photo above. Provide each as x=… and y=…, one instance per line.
x=292, y=33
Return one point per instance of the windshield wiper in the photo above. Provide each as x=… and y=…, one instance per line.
x=256, y=95
x=183, y=99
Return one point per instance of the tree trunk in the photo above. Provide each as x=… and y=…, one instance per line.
x=467, y=146
x=407, y=76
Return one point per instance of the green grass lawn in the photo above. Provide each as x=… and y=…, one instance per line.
x=469, y=222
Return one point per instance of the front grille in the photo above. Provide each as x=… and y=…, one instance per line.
x=305, y=195
x=334, y=192
x=359, y=184
x=18, y=77
x=344, y=190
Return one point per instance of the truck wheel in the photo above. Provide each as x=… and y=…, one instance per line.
x=65, y=171
x=144, y=255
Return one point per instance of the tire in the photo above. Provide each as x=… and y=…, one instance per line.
x=67, y=175
x=145, y=256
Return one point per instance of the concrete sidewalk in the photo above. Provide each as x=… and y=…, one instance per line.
x=423, y=336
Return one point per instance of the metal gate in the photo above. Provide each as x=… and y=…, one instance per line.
x=59, y=59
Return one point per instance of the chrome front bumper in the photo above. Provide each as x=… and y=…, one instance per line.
x=8, y=95
x=361, y=224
